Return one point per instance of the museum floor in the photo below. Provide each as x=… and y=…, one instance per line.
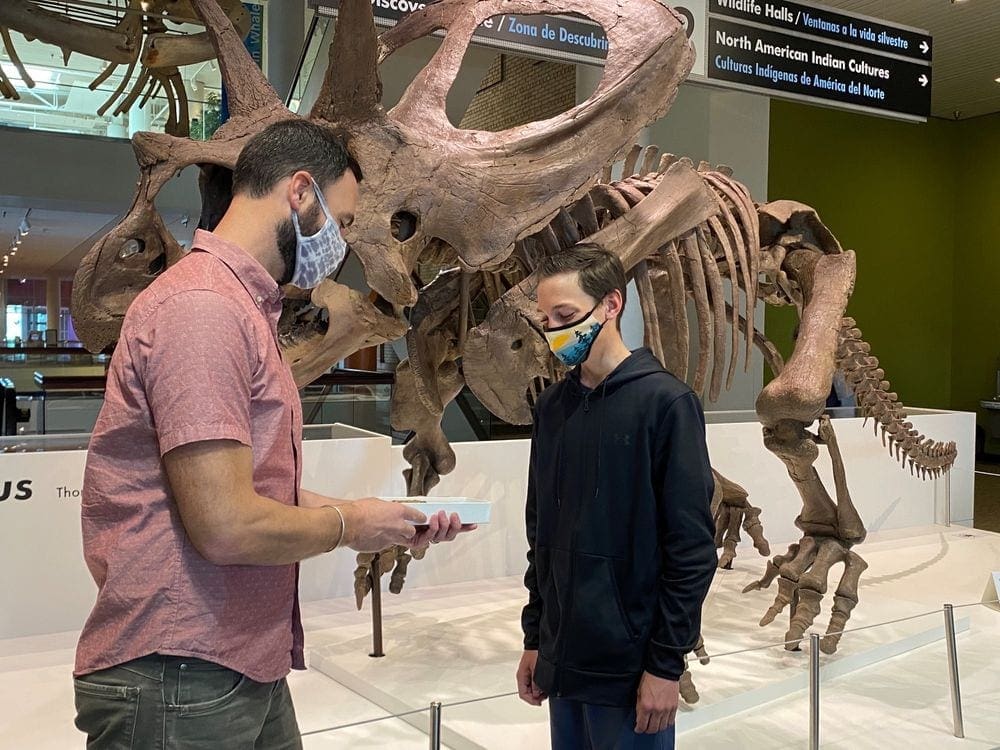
x=886, y=687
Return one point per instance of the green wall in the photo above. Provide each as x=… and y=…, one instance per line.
x=890, y=191
x=976, y=323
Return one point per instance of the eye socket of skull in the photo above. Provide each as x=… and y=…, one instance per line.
x=158, y=265
x=404, y=225
x=131, y=248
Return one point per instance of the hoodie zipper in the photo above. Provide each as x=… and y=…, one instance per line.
x=572, y=574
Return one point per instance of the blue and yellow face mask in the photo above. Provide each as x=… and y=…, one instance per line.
x=572, y=343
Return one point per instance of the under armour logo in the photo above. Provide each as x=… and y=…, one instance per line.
x=625, y=439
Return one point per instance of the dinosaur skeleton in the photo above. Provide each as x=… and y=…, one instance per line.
x=492, y=202
x=681, y=232
x=135, y=35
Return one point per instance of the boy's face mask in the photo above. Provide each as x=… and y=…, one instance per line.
x=320, y=255
x=572, y=343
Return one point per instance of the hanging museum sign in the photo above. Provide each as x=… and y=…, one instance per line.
x=564, y=38
x=783, y=49
x=798, y=51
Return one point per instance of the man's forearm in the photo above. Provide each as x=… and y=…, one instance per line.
x=312, y=499
x=266, y=532
x=229, y=523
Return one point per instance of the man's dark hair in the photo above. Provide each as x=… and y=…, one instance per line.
x=600, y=272
x=284, y=148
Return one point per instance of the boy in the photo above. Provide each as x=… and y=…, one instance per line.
x=620, y=531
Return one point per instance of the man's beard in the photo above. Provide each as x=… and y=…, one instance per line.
x=287, y=241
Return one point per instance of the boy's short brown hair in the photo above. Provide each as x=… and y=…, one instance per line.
x=600, y=272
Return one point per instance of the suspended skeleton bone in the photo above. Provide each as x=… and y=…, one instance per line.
x=138, y=38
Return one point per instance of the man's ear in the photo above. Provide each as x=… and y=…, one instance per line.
x=299, y=191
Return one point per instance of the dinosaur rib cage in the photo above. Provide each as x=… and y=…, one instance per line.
x=727, y=246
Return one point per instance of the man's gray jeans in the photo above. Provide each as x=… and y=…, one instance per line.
x=179, y=703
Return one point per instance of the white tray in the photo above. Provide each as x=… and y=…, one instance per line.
x=469, y=509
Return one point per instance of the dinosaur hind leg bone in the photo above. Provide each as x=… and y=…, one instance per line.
x=789, y=405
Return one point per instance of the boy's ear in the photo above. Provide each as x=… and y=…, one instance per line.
x=615, y=300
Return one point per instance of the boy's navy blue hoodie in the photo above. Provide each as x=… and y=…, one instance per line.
x=620, y=530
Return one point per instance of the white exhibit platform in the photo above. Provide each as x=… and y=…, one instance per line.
x=454, y=636
x=461, y=642
x=48, y=589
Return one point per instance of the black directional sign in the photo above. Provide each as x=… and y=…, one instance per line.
x=823, y=22
x=797, y=51
x=558, y=37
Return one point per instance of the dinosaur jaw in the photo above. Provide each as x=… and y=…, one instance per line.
x=336, y=322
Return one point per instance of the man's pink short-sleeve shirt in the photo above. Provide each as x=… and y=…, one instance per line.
x=198, y=359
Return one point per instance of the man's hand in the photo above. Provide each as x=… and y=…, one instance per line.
x=440, y=528
x=372, y=525
x=527, y=690
x=656, y=704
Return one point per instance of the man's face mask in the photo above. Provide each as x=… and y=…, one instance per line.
x=572, y=343
x=320, y=255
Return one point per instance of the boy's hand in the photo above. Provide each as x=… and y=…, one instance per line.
x=656, y=704
x=527, y=690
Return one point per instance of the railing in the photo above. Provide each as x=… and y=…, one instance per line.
x=485, y=424
x=67, y=400
x=816, y=671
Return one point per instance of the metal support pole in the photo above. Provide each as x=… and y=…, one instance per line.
x=956, y=689
x=435, y=729
x=375, y=576
x=947, y=498
x=791, y=614
x=814, y=691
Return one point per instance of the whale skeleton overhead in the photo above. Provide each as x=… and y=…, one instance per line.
x=146, y=37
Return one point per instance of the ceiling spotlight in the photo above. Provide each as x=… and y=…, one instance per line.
x=19, y=240
x=25, y=227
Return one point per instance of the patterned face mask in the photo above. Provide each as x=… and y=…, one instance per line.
x=572, y=343
x=318, y=256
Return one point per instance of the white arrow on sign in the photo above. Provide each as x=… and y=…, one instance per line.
x=923, y=81
x=925, y=47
